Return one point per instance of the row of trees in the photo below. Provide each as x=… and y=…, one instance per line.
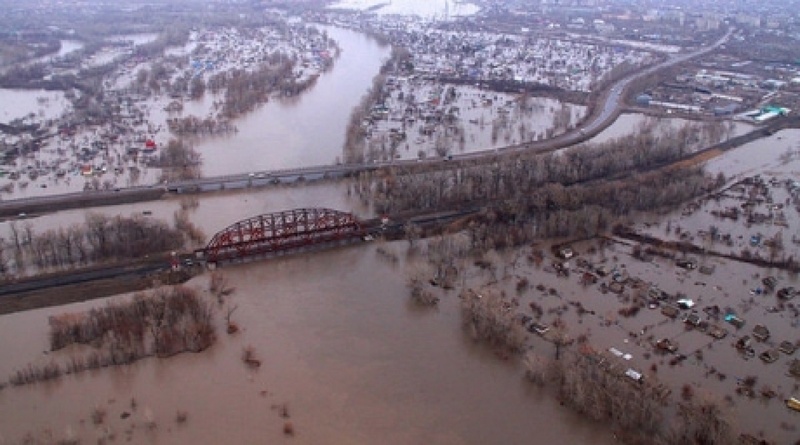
x=178, y=161
x=194, y=125
x=165, y=322
x=589, y=384
x=162, y=323
x=355, y=147
x=519, y=176
x=101, y=238
x=490, y=318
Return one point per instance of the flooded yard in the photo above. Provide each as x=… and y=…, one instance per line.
x=425, y=119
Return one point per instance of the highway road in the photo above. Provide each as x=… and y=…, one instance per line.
x=611, y=104
x=608, y=111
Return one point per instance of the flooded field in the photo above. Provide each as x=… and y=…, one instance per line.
x=353, y=377
x=767, y=156
x=68, y=46
x=424, y=119
x=27, y=105
x=628, y=123
x=353, y=363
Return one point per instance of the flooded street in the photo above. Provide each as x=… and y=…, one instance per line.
x=354, y=363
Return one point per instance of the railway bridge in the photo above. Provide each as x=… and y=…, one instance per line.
x=281, y=232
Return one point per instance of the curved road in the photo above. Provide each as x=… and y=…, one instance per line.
x=608, y=111
x=610, y=107
x=612, y=99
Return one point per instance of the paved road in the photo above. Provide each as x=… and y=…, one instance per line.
x=611, y=105
x=82, y=276
x=609, y=109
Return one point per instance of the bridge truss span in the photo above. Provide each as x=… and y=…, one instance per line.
x=281, y=231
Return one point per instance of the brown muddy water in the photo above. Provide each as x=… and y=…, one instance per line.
x=283, y=133
x=214, y=211
x=302, y=131
x=628, y=124
x=340, y=345
x=356, y=363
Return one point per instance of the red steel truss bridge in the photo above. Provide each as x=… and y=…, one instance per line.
x=281, y=232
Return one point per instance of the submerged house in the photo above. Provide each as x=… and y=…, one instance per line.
x=670, y=311
x=761, y=333
x=769, y=356
x=734, y=320
x=693, y=319
x=743, y=342
x=787, y=347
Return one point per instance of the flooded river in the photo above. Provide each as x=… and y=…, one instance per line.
x=302, y=131
x=354, y=362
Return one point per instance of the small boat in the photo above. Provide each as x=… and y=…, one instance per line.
x=793, y=403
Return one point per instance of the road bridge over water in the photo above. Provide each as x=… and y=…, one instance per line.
x=604, y=114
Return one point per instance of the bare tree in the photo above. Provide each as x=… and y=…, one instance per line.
x=489, y=318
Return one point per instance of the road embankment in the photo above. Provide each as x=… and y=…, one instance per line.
x=46, y=204
x=64, y=287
